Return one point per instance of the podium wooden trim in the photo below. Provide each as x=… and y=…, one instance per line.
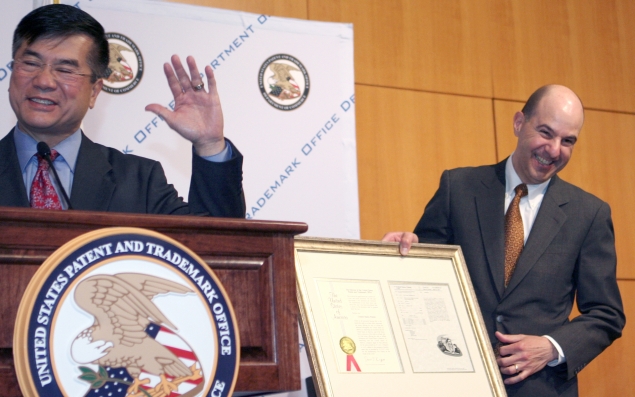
x=254, y=261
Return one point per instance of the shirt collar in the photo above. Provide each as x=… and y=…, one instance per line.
x=534, y=192
x=26, y=148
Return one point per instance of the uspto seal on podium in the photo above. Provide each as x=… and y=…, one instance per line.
x=125, y=312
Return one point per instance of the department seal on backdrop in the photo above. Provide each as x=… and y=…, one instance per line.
x=284, y=82
x=103, y=316
x=125, y=64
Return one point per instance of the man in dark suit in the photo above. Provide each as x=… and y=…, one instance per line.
x=60, y=57
x=569, y=251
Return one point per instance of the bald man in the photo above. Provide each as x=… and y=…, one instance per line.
x=566, y=245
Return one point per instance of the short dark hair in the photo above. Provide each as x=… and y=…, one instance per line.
x=534, y=99
x=61, y=21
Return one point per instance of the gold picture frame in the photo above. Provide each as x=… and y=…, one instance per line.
x=378, y=323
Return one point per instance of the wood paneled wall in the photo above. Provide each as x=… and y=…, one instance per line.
x=437, y=84
x=405, y=139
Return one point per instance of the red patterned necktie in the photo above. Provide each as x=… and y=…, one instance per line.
x=514, y=232
x=43, y=194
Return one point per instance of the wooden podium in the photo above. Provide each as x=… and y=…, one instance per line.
x=253, y=260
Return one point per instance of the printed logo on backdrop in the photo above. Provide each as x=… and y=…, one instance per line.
x=125, y=65
x=284, y=82
x=103, y=316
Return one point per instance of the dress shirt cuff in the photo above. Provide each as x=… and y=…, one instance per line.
x=225, y=155
x=561, y=358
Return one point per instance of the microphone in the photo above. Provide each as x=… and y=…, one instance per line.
x=44, y=151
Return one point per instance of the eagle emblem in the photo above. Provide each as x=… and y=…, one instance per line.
x=282, y=84
x=137, y=350
x=118, y=67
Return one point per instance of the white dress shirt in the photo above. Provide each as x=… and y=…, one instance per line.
x=529, y=206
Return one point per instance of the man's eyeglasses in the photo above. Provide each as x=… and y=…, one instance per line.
x=61, y=73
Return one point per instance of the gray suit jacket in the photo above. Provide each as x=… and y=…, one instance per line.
x=108, y=180
x=570, y=250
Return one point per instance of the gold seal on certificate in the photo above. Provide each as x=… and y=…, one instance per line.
x=348, y=346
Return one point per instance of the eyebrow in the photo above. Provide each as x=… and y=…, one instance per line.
x=70, y=62
x=551, y=131
x=545, y=126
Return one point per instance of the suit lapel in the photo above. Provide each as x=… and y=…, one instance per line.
x=549, y=220
x=12, y=189
x=490, y=203
x=92, y=185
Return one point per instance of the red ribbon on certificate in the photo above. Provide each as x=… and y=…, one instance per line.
x=351, y=360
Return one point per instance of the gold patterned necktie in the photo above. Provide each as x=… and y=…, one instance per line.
x=514, y=232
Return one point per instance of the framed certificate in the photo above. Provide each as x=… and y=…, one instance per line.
x=376, y=323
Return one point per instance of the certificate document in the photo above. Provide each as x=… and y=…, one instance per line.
x=430, y=327
x=360, y=330
x=376, y=323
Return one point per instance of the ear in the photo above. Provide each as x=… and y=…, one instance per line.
x=519, y=119
x=95, y=90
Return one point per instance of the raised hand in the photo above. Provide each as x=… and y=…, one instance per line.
x=197, y=114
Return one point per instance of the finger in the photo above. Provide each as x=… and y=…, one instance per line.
x=514, y=372
x=181, y=74
x=509, y=361
x=509, y=350
x=508, y=367
x=407, y=239
x=520, y=376
x=508, y=338
x=173, y=82
x=404, y=246
x=160, y=111
x=191, y=64
x=393, y=237
x=211, y=79
x=398, y=237
x=512, y=369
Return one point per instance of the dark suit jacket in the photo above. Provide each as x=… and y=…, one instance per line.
x=108, y=180
x=570, y=250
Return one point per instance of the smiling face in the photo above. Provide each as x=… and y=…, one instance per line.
x=47, y=109
x=546, y=139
